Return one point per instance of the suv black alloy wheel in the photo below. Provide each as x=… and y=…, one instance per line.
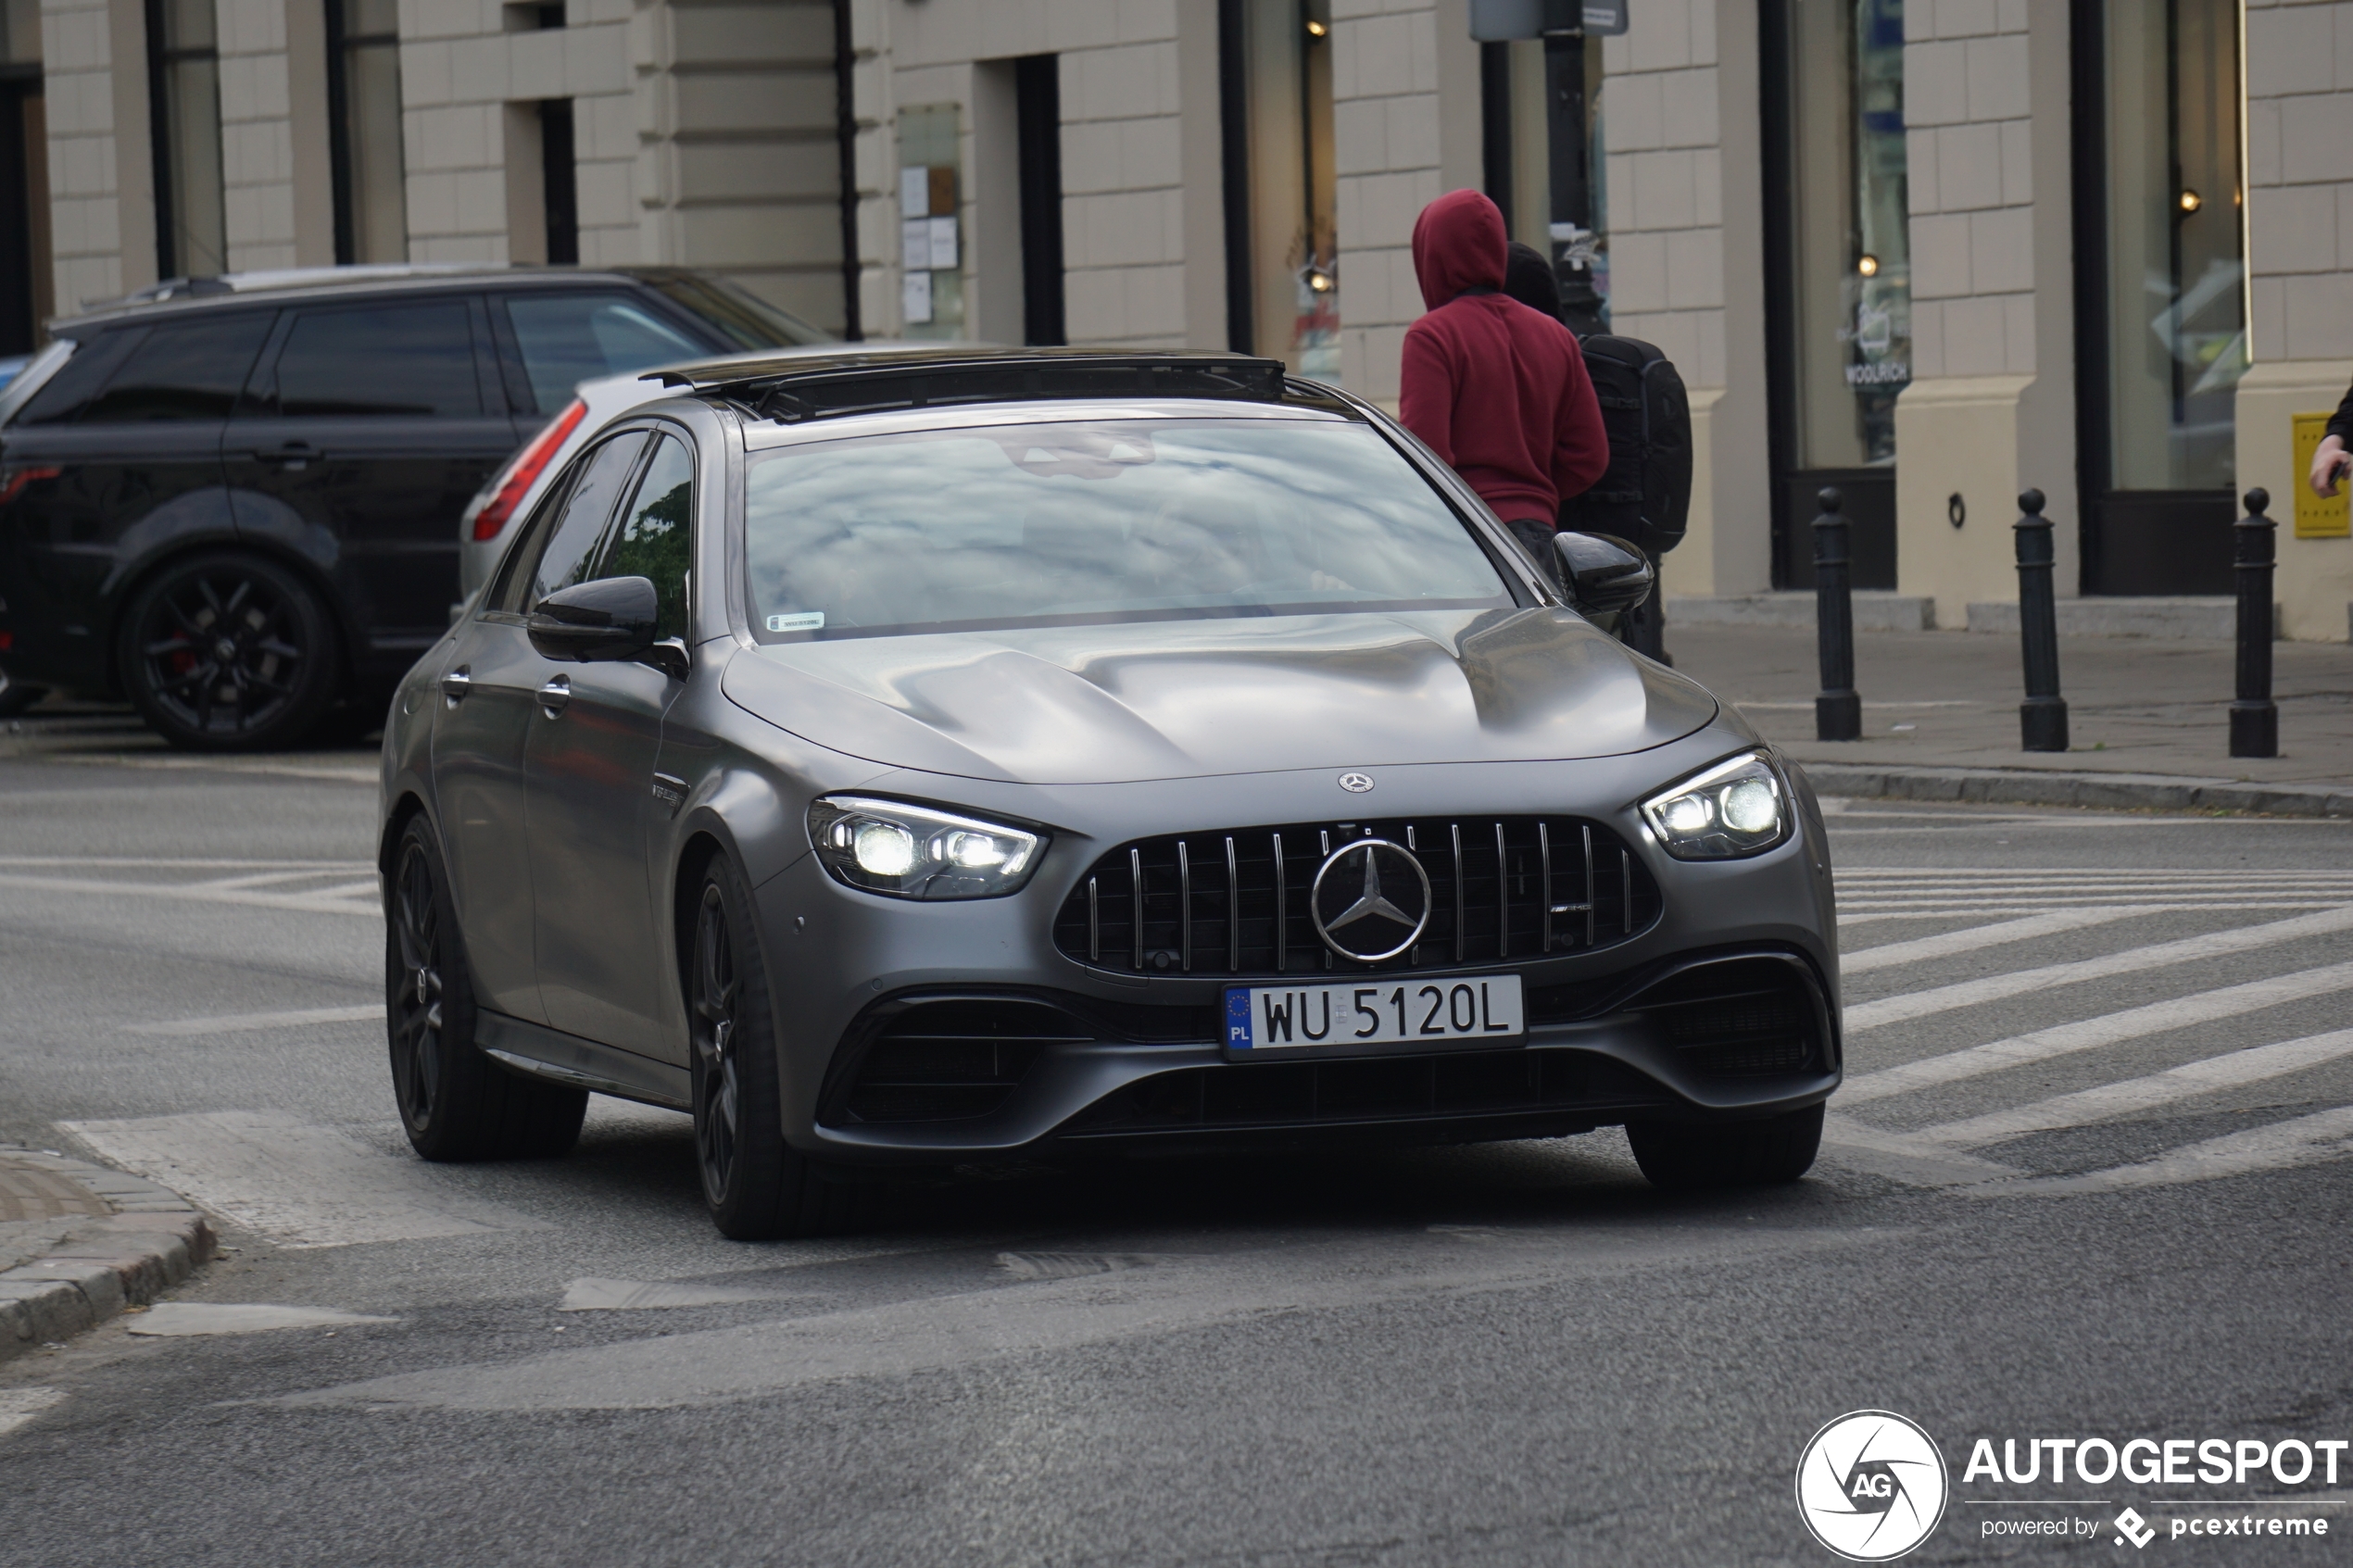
x=228, y=652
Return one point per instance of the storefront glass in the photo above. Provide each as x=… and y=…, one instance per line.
x=2175, y=274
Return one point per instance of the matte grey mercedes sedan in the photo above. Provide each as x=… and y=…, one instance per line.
x=931, y=757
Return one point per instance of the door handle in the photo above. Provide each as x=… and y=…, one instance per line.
x=287, y=454
x=553, y=694
x=455, y=684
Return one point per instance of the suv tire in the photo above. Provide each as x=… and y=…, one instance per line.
x=228, y=652
x=759, y=1187
x=455, y=1102
x=1691, y=1157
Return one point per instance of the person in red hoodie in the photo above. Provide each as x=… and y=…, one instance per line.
x=1497, y=390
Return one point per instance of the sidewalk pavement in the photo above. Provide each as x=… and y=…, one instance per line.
x=2148, y=721
x=78, y=1243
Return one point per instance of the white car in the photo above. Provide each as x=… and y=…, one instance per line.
x=488, y=520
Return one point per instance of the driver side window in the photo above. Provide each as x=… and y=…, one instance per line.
x=654, y=537
x=555, y=556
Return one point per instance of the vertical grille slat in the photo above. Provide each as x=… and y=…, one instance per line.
x=1548, y=871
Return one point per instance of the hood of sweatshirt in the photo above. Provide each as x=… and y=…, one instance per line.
x=1458, y=244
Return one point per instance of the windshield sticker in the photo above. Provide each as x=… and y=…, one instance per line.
x=801, y=621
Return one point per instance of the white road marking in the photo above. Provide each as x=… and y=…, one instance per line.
x=2131, y=961
x=2108, y=1029
x=199, y=893
x=172, y=1320
x=636, y=1294
x=1039, y=1318
x=2106, y=1101
x=228, y=765
x=150, y=863
x=1848, y=914
x=308, y=1187
x=237, y=1023
x=1977, y=936
x=20, y=1407
x=2303, y=1140
x=1866, y=1148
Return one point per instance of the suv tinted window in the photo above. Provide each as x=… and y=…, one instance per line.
x=179, y=370
x=381, y=361
x=554, y=557
x=653, y=539
x=79, y=378
x=570, y=338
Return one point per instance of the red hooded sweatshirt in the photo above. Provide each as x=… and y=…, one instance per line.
x=1496, y=389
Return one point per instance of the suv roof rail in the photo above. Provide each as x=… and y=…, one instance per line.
x=822, y=387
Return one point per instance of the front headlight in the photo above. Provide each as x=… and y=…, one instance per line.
x=1736, y=808
x=917, y=852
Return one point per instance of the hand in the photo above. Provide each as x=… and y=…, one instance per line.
x=2329, y=462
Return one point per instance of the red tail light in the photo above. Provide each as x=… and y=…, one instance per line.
x=525, y=469
x=13, y=480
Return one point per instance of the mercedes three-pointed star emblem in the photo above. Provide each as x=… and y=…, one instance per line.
x=1372, y=926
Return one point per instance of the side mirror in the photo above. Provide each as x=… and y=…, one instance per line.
x=604, y=622
x=1605, y=574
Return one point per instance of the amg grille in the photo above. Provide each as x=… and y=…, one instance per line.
x=1234, y=902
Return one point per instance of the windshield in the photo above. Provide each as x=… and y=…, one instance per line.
x=735, y=311
x=1114, y=520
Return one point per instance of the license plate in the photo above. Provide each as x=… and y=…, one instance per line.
x=1437, y=1012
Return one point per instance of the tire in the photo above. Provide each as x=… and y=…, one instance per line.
x=758, y=1187
x=1687, y=1156
x=228, y=652
x=16, y=697
x=455, y=1102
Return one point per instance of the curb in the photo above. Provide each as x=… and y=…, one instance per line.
x=2030, y=787
x=155, y=1239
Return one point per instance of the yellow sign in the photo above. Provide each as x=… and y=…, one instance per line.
x=2317, y=518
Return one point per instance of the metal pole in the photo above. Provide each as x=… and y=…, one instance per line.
x=2255, y=718
x=2042, y=718
x=1838, y=712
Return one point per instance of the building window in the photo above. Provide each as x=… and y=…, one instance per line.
x=931, y=264
x=1282, y=274
x=560, y=181
x=1038, y=129
x=1839, y=260
x=363, y=108
x=543, y=191
x=2161, y=249
x=1547, y=159
x=183, y=97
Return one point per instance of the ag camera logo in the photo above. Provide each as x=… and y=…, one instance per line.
x=1871, y=1485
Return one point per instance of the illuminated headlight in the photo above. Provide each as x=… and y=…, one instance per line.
x=916, y=852
x=1734, y=809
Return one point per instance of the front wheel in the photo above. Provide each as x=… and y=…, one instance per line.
x=455, y=1102
x=1688, y=1157
x=758, y=1187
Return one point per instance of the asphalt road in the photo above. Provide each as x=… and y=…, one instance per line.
x=1514, y=1354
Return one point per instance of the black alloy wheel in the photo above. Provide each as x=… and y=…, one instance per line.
x=759, y=1186
x=455, y=1102
x=228, y=653
x=1694, y=1157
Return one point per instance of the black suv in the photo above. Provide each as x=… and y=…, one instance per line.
x=237, y=503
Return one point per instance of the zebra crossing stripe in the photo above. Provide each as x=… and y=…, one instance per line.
x=2108, y=1029
x=1976, y=936
x=2108, y=1100
x=2302, y=1140
x=2131, y=961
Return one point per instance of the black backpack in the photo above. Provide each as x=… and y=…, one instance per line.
x=1645, y=496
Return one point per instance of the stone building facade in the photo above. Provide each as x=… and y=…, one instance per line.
x=1907, y=246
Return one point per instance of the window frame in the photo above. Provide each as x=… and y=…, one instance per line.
x=531, y=540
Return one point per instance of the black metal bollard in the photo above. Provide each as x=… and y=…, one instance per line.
x=2255, y=718
x=1838, y=711
x=2042, y=718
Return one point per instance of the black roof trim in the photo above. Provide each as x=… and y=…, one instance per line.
x=790, y=391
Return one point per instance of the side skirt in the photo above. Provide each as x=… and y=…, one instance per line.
x=536, y=1051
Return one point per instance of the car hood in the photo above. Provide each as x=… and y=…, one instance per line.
x=1179, y=699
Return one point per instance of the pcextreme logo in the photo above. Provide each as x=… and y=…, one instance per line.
x=1871, y=1485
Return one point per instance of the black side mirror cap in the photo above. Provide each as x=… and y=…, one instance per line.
x=1605, y=574
x=605, y=621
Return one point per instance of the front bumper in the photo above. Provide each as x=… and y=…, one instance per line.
x=925, y=1031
